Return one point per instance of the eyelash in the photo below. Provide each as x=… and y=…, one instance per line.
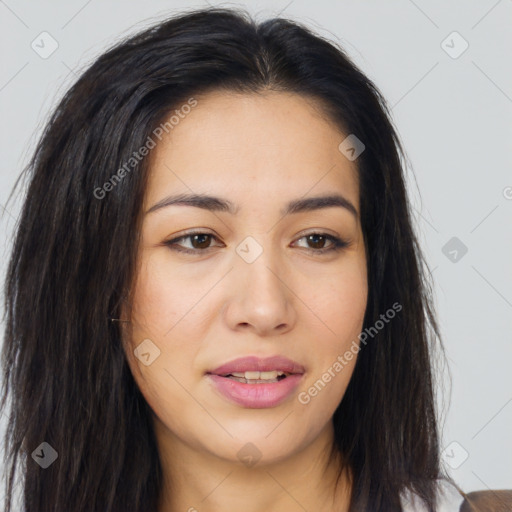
x=337, y=243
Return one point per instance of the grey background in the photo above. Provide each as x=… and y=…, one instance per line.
x=453, y=115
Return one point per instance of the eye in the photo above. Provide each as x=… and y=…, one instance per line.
x=319, y=239
x=200, y=242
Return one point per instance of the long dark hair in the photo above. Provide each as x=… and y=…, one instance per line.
x=74, y=259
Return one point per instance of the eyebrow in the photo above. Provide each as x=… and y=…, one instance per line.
x=217, y=204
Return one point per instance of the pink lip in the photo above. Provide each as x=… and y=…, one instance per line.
x=253, y=364
x=257, y=396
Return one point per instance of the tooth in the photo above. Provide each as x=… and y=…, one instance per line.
x=256, y=377
x=268, y=375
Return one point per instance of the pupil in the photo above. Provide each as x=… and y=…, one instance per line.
x=203, y=245
x=312, y=237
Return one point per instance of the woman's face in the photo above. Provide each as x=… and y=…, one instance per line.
x=252, y=283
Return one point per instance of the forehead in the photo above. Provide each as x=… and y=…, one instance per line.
x=256, y=146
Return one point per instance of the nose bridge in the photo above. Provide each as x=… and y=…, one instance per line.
x=262, y=298
x=259, y=266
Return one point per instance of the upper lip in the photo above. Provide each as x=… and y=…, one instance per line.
x=254, y=364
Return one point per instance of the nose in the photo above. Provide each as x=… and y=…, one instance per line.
x=261, y=300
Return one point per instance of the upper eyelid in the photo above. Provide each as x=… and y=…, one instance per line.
x=304, y=232
x=188, y=235
x=333, y=238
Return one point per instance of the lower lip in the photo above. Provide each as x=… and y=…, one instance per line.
x=256, y=396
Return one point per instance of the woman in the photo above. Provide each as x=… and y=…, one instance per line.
x=215, y=298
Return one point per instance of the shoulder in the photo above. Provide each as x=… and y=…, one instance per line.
x=490, y=500
x=449, y=499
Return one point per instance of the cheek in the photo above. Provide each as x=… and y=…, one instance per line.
x=159, y=314
x=162, y=298
x=340, y=301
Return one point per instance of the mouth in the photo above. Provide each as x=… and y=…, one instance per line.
x=257, y=383
x=257, y=377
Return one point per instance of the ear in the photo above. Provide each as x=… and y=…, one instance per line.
x=487, y=501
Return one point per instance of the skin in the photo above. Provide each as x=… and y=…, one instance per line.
x=203, y=310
